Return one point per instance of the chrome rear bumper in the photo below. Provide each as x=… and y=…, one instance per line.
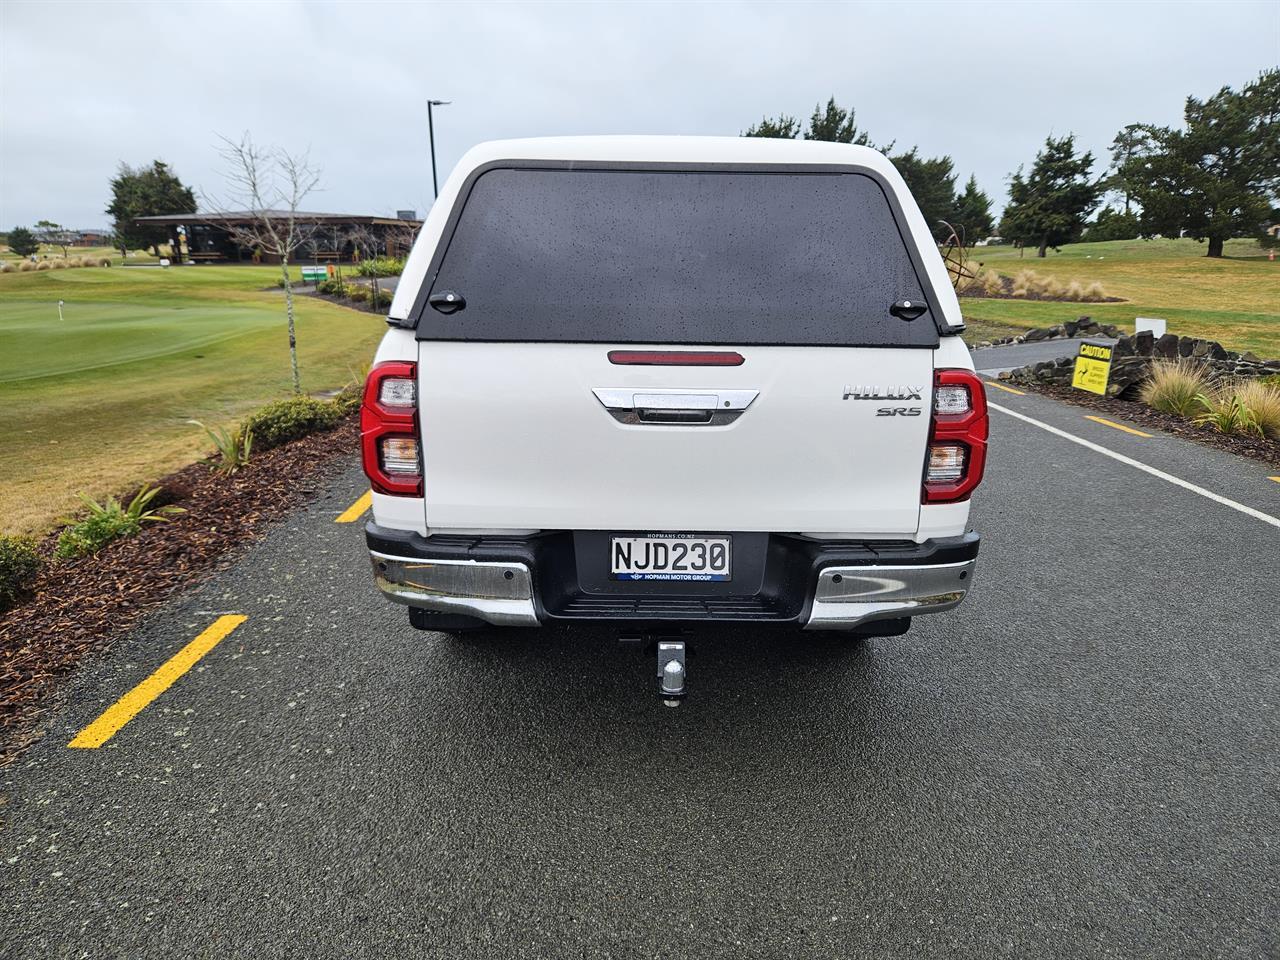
x=498, y=593
x=848, y=597
x=527, y=580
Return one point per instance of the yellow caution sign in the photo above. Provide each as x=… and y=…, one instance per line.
x=1093, y=368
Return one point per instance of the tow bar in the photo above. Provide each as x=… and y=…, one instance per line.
x=671, y=671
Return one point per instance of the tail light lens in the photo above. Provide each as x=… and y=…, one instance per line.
x=390, y=445
x=957, y=437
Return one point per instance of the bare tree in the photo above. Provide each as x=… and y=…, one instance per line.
x=55, y=235
x=364, y=243
x=267, y=185
x=402, y=237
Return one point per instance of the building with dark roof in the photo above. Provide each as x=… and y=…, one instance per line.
x=325, y=237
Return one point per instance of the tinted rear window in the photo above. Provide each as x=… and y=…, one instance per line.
x=630, y=256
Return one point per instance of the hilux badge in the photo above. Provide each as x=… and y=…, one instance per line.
x=882, y=393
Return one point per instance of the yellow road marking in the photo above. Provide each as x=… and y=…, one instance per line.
x=357, y=509
x=1276, y=479
x=1001, y=386
x=1118, y=426
x=132, y=703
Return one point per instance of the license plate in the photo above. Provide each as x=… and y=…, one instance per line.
x=670, y=557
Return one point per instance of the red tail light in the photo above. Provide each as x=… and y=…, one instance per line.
x=957, y=450
x=390, y=444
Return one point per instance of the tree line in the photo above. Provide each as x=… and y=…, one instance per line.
x=932, y=180
x=1214, y=178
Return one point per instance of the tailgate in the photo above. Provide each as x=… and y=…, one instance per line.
x=555, y=436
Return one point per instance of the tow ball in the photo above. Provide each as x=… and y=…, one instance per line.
x=671, y=671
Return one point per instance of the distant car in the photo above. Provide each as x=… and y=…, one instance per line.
x=660, y=382
x=989, y=242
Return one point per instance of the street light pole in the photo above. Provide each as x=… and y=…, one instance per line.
x=431, y=132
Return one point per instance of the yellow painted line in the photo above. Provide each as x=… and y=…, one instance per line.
x=133, y=702
x=357, y=509
x=1276, y=479
x=1119, y=426
x=1001, y=386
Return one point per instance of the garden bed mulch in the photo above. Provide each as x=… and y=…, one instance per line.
x=80, y=606
x=1244, y=445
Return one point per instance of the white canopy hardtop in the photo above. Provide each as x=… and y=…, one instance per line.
x=691, y=150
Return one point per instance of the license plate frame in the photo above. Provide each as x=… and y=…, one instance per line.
x=671, y=558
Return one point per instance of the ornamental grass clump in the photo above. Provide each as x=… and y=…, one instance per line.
x=1263, y=401
x=1175, y=387
x=1028, y=283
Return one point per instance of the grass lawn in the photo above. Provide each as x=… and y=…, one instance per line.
x=100, y=401
x=1235, y=300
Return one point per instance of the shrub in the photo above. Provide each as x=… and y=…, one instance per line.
x=333, y=287
x=350, y=398
x=358, y=293
x=104, y=262
x=1175, y=387
x=286, y=420
x=8, y=267
x=44, y=265
x=107, y=521
x=26, y=266
x=1225, y=412
x=60, y=264
x=380, y=299
x=1263, y=401
x=19, y=564
x=381, y=267
x=352, y=395
x=233, y=446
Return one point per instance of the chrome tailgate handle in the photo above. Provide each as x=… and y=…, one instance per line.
x=684, y=408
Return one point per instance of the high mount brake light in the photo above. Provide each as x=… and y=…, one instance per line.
x=390, y=447
x=957, y=450
x=677, y=358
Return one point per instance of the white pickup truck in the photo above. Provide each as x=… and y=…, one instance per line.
x=658, y=382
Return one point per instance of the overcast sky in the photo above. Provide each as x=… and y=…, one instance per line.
x=85, y=85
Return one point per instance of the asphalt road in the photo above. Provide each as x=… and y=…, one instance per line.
x=1081, y=761
x=992, y=360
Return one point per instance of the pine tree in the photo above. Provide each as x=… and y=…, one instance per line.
x=146, y=192
x=835, y=125
x=1219, y=176
x=933, y=184
x=783, y=128
x=1049, y=207
x=972, y=212
x=23, y=242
